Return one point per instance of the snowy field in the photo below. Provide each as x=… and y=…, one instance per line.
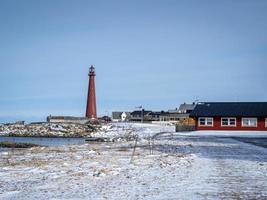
x=174, y=167
x=247, y=134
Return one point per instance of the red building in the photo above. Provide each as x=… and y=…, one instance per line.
x=230, y=116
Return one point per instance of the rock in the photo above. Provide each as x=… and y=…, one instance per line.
x=98, y=139
x=48, y=130
x=100, y=173
x=17, y=145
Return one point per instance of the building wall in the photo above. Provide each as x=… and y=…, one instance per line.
x=217, y=125
x=66, y=119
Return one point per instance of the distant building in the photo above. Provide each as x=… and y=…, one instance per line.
x=148, y=115
x=67, y=119
x=230, y=116
x=116, y=116
x=105, y=118
x=164, y=116
x=121, y=116
x=142, y=115
x=125, y=116
x=180, y=114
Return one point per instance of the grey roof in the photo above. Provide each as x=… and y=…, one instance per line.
x=230, y=109
x=139, y=112
x=173, y=110
x=162, y=113
x=116, y=115
x=185, y=107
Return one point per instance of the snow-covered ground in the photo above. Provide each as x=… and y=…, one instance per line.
x=177, y=167
x=142, y=130
x=253, y=134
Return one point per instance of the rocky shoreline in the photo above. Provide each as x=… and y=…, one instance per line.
x=20, y=145
x=49, y=130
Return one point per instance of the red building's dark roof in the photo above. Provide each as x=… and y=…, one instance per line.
x=230, y=109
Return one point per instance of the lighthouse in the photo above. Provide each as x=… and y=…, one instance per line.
x=91, y=97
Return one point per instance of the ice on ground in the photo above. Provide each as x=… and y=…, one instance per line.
x=174, y=167
x=251, y=134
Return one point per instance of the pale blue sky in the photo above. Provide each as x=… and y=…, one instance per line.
x=152, y=53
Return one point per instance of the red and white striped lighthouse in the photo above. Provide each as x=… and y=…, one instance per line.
x=91, y=98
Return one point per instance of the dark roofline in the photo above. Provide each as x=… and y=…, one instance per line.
x=230, y=109
x=231, y=102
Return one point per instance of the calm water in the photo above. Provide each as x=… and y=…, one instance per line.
x=43, y=141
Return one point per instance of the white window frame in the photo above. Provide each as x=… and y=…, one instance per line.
x=249, y=125
x=266, y=122
x=206, y=121
x=228, y=120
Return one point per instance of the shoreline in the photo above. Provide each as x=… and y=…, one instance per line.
x=41, y=136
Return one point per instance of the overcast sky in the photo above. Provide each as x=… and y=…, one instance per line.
x=152, y=53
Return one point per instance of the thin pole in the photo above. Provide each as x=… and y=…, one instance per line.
x=135, y=144
x=142, y=116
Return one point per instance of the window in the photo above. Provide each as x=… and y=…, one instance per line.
x=228, y=122
x=205, y=121
x=249, y=122
x=265, y=122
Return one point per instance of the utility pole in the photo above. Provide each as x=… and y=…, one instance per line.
x=142, y=115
